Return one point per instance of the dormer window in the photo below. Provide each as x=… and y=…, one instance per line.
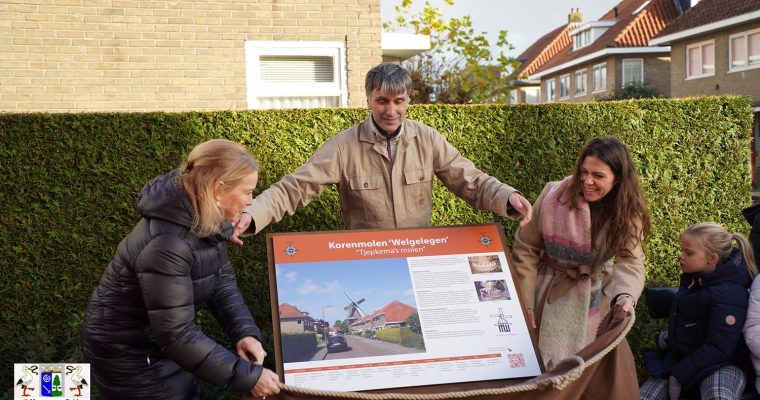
x=582, y=39
x=585, y=34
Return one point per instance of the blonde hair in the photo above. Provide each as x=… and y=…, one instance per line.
x=208, y=163
x=716, y=240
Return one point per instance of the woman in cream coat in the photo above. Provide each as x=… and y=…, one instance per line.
x=582, y=252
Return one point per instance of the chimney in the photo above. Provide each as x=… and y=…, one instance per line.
x=615, y=13
x=574, y=16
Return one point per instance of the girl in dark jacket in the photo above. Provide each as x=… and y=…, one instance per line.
x=140, y=334
x=705, y=351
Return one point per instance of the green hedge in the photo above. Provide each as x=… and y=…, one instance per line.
x=401, y=336
x=70, y=183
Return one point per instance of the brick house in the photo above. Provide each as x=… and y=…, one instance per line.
x=715, y=50
x=293, y=320
x=608, y=53
x=393, y=314
x=528, y=91
x=117, y=55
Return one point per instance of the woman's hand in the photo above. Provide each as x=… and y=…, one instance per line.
x=625, y=302
x=249, y=349
x=531, y=317
x=267, y=385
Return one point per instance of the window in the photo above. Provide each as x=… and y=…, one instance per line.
x=582, y=39
x=633, y=70
x=284, y=74
x=532, y=95
x=744, y=50
x=700, y=60
x=564, y=86
x=581, y=78
x=513, y=96
x=600, y=77
x=550, y=90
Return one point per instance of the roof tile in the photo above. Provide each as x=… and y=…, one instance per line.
x=631, y=30
x=709, y=11
x=288, y=311
x=394, y=311
x=543, y=50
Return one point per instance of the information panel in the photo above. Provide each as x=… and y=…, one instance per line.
x=380, y=309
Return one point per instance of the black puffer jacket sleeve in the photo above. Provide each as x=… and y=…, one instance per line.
x=163, y=271
x=229, y=308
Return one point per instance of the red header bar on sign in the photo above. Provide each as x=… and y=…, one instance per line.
x=378, y=244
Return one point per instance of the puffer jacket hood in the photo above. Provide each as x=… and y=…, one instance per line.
x=731, y=270
x=164, y=198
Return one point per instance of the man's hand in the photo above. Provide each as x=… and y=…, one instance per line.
x=522, y=206
x=249, y=349
x=241, y=226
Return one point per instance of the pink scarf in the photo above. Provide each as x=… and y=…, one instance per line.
x=570, y=310
x=566, y=232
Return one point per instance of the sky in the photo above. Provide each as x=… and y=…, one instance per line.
x=524, y=21
x=314, y=286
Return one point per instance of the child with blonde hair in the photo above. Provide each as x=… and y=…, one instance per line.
x=704, y=350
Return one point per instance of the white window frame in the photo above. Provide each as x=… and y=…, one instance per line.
x=700, y=45
x=256, y=88
x=603, y=80
x=582, y=39
x=746, y=36
x=564, y=82
x=514, y=96
x=583, y=73
x=551, y=90
x=630, y=60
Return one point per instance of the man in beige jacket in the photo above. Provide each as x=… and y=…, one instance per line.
x=383, y=168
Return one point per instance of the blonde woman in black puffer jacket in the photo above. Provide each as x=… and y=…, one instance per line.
x=140, y=333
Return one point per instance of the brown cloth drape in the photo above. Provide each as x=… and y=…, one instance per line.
x=602, y=370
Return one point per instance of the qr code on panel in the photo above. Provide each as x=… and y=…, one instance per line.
x=516, y=360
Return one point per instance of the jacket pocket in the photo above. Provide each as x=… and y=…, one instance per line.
x=368, y=197
x=418, y=189
x=690, y=336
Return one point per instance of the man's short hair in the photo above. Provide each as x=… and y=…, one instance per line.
x=388, y=78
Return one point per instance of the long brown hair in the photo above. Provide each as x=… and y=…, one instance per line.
x=715, y=239
x=623, y=210
x=210, y=162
